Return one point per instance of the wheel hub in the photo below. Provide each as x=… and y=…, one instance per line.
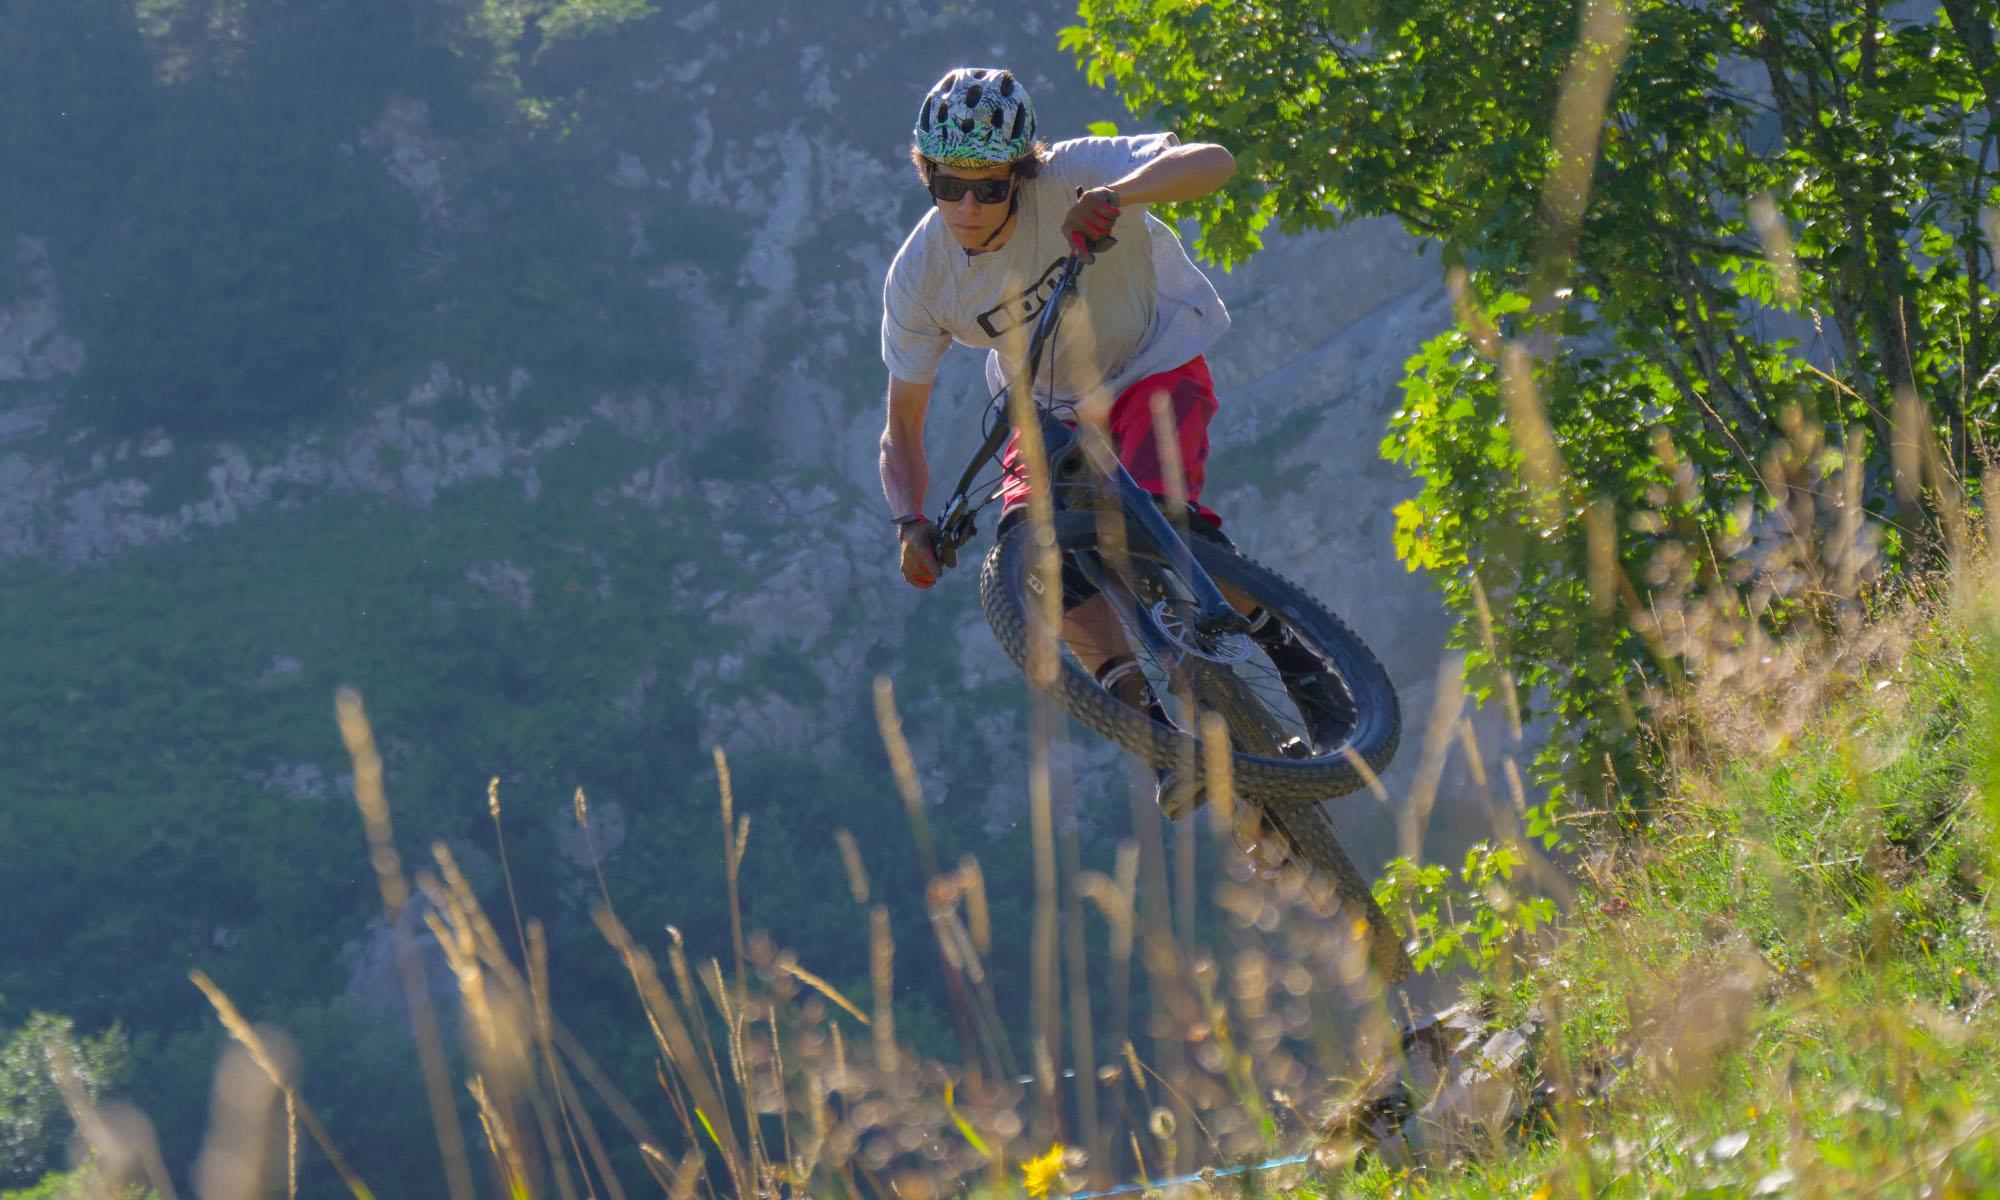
x=1177, y=622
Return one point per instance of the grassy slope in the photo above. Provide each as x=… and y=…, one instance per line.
x=1800, y=949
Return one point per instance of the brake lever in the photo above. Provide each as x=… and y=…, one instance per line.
x=954, y=529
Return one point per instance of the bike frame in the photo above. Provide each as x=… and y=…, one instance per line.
x=1084, y=473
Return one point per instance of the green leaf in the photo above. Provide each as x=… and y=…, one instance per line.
x=708, y=1128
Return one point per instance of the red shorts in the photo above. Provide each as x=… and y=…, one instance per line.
x=1191, y=399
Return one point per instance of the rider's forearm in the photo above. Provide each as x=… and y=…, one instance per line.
x=906, y=474
x=1179, y=173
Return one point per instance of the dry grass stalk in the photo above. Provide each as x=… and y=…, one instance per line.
x=881, y=970
x=1534, y=438
x=601, y=1085
x=850, y=857
x=780, y=1093
x=733, y=1023
x=1166, y=437
x=580, y=805
x=903, y=765
x=822, y=987
x=1447, y=703
x=1045, y=617
x=506, y=867
x=1579, y=124
x=1044, y=978
x=733, y=839
x=1219, y=765
x=1113, y=896
x=691, y=998
x=671, y=1034
x=536, y=949
x=513, y=1173
x=374, y=804
x=1777, y=243
x=1510, y=700
x=119, y=1142
x=978, y=919
x=267, y=1061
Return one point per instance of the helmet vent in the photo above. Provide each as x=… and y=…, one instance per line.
x=975, y=115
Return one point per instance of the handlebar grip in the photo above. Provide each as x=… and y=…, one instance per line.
x=1088, y=251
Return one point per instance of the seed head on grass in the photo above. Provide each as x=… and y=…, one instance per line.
x=857, y=873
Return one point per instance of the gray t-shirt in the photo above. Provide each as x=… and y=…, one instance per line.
x=1141, y=308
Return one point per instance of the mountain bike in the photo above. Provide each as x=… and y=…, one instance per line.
x=1166, y=588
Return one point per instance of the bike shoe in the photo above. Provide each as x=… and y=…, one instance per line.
x=1325, y=706
x=1177, y=798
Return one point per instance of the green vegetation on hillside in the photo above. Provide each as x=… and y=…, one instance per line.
x=179, y=798
x=1787, y=982
x=1707, y=258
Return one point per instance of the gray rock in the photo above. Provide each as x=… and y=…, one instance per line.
x=33, y=345
x=506, y=581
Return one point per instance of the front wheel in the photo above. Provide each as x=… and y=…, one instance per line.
x=1009, y=589
x=1282, y=759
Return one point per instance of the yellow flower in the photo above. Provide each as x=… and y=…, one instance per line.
x=1041, y=1173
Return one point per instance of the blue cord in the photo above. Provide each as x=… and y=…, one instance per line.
x=1176, y=1181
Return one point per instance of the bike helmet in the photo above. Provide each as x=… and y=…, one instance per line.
x=976, y=117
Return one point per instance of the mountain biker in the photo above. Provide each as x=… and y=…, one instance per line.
x=1007, y=209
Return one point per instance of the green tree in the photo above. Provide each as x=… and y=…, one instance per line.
x=34, y=1121
x=1711, y=260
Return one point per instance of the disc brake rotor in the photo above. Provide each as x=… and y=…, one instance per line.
x=1179, y=627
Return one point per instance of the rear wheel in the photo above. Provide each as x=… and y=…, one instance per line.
x=1286, y=756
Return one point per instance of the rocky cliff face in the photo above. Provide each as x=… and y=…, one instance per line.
x=792, y=143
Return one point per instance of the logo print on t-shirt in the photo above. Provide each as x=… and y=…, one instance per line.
x=1009, y=314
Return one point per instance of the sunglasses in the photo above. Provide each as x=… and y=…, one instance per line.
x=950, y=189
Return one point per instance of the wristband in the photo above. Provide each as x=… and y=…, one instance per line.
x=915, y=518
